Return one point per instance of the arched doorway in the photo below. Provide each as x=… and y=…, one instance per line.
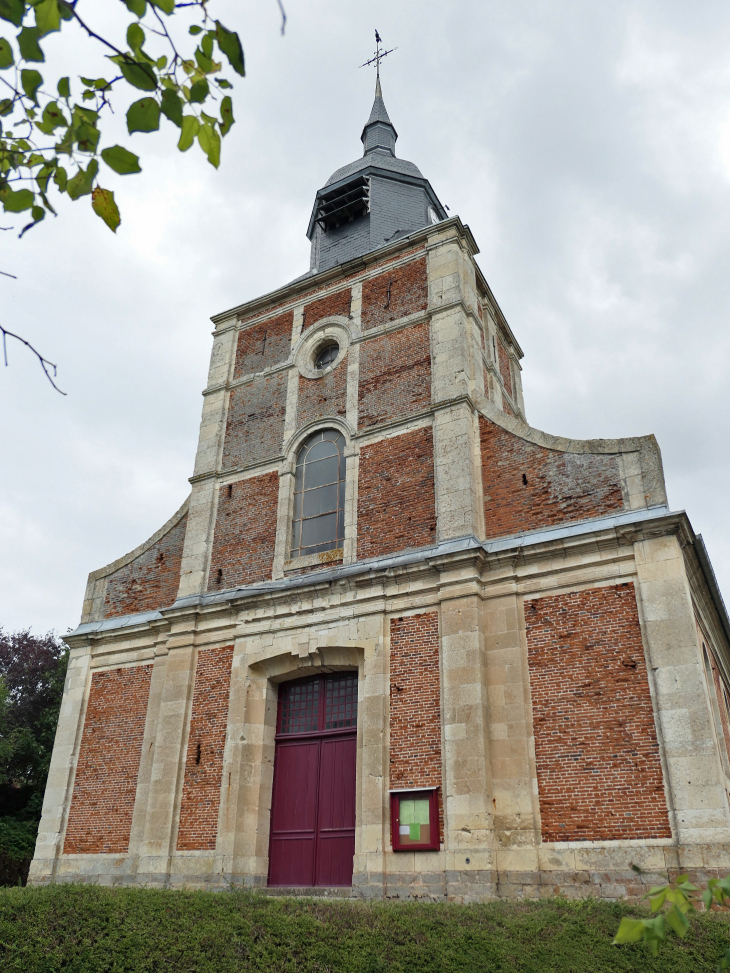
x=312, y=836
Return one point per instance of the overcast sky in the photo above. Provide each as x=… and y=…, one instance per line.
x=586, y=144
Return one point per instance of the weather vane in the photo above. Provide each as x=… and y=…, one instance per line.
x=379, y=55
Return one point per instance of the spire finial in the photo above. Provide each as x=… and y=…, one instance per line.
x=376, y=59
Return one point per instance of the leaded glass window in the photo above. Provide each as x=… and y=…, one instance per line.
x=319, y=495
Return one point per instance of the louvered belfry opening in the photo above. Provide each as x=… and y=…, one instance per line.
x=312, y=838
x=343, y=204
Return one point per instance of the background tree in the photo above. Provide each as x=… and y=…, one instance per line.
x=32, y=674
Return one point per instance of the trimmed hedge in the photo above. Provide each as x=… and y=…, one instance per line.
x=89, y=929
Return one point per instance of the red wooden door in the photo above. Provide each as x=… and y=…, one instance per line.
x=312, y=838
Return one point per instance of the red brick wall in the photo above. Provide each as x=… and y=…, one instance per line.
x=245, y=532
x=415, y=703
x=100, y=817
x=395, y=375
x=408, y=294
x=201, y=794
x=263, y=345
x=396, y=506
x=560, y=487
x=151, y=580
x=507, y=409
x=320, y=397
x=255, y=426
x=598, y=769
x=337, y=303
x=504, y=368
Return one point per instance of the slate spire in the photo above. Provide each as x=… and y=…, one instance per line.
x=379, y=134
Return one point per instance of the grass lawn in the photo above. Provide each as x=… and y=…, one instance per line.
x=87, y=929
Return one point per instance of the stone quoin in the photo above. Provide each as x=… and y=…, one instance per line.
x=397, y=643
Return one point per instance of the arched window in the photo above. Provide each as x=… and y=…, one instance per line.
x=319, y=495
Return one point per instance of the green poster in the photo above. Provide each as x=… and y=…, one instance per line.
x=414, y=831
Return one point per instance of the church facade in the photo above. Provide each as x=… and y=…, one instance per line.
x=397, y=642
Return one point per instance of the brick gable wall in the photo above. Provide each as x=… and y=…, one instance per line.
x=396, y=506
x=394, y=294
x=337, y=303
x=255, y=426
x=598, y=768
x=560, y=487
x=100, y=817
x=263, y=345
x=722, y=708
x=415, y=703
x=245, y=532
x=320, y=397
x=151, y=580
x=395, y=375
x=198, y=828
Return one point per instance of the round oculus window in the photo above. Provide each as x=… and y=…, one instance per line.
x=325, y=356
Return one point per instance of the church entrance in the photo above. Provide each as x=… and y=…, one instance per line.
x=313, y=801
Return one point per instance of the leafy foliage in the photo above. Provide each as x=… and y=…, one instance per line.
x=32, y=674
x=673, y=904
x=50, y=140
x=89, y=929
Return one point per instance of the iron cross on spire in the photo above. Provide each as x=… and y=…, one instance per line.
x=379, y=55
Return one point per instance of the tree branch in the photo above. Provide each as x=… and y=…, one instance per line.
x=44, y=363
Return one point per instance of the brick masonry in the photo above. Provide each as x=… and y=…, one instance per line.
x=528, y=486
x=100, y=818
x=415, y=703
x=255, y=426
x=395, y=294
x=151, y=580
x=396, y=507
x=263, y=345
x=320, y=397
x=598, y=768
x=198, y=828
x=504, y=368
x=333, y=304
x=395, y=375
x=245, y=532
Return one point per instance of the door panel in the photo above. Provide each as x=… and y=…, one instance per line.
x=294, y=813
x=336, y=827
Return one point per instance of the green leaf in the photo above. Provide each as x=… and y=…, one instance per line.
x=195, y=30
x=210, y=143
x=677, y=921
x=143, y=116
x=81, y=183
x=13, y=11
x=43, y=176
x=222, y=83
x=135, y=38
x=190, y=128
x=6, y=106
x=16, y=202
x=204, y=63
x=199, y=91
x=227, y=118
x=102, y=202
x=172, y=106
x=37, y=212
x=121, y=160
x=630, y=931
x=6, y=54
x=137, y=7
x=166, y=6
x=230, y=45
x=206, y=45
x=52, y=118
x=47, y=17
x=60, y=178
x=31, y=81
x=28, y=43
x=64, y=88
x=139, y=74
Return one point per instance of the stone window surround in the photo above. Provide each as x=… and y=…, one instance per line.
x=285, y=513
